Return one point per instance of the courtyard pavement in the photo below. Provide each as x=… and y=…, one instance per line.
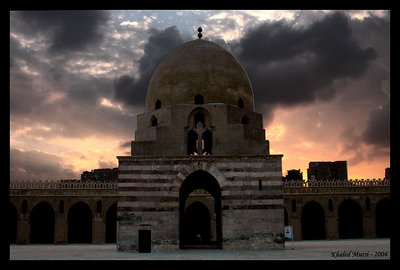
x=354, y=249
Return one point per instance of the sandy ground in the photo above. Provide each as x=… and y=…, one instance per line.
x=363, y=249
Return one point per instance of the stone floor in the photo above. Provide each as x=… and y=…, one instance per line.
x=353, y=249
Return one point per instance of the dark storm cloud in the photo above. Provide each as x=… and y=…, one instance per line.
x=66, y=30
x=294, y=65
x=378, y=127
x=133, y=91
x=46, y=85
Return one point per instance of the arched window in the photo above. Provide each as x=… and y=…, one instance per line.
x=207, y=139
x=158, y=104
x=199, y=117
x=199, y=99
x=240, y=103
x=153, y=121
x=192, y=142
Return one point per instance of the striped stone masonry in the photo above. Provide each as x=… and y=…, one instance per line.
x=250, y=182
x=148, y=189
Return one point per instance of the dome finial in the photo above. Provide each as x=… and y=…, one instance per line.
x=199, y=34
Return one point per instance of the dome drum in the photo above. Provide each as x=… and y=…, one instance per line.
x=174, y=122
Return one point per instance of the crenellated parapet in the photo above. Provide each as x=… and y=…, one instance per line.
x=62, y=185
x=337, y=186
x=46, y=184
x=337, y=183
x=63, y=188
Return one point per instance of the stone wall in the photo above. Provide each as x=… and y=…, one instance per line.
x=55, y=193
x=251, y=188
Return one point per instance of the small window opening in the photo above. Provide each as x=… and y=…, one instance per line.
x=199, y=118
x=245, y=120
x=61, y=207
x=207, y=140
x=24, y=208
x=259, y=185
x=192, y=143
x=240, y=103
x=199, y=99
x=368, y=204
x=330, y=205
x=158, y=104
x=294, y=205
x=154, y=121
x=99, y=207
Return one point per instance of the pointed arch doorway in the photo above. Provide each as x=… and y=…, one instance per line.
x=200, y=217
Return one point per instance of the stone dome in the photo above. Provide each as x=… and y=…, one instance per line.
x=199, y=69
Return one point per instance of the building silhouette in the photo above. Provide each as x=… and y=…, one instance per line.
x=327, y=170
x=102, y=175
x=293, y=175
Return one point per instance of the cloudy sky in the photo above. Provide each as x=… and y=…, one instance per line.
x=78, y=79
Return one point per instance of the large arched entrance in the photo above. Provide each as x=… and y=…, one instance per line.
x=350, y=220
x=312, y=221
x=42, y=224
x=200, y=222
x=80, y=223
x=382, y=216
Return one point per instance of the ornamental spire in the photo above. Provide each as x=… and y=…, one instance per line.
x=199, y=34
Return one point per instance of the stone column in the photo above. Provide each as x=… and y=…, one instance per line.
x=23, y=229
x=332, y=231
x=296, y=223
x=61, y=231
x=369, y=225
x=98, y=236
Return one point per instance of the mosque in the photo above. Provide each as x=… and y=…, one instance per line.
x=200, y=174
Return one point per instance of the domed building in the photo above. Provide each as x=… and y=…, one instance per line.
x=200, y=174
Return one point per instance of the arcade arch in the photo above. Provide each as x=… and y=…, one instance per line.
x=312, y=221
x=382, y=218
x=111, y=223
x=42, y=224
x=350, y=219
x=79, y=223
x=12, y=223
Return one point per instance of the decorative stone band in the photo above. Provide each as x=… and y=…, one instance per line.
x=154, y=185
